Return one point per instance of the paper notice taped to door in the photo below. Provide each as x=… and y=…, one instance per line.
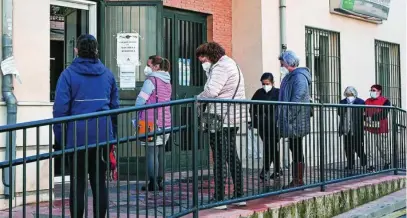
x=8, y=67
x=128, y=49
x=128, y=77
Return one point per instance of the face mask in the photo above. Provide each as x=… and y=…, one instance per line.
x=351, y=99
x=206, y=66
x=147, y=70
x=283, y=71
x=373, y=94
x=267, y=88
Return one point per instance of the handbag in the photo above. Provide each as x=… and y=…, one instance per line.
x=145, y=127
x=214, y=121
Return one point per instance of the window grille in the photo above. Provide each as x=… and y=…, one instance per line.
x=388, y=74
x=322, y=48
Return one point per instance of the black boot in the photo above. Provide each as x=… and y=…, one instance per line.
x=152, y=186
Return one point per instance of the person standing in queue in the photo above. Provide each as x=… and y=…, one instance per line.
x=225, y=81
x=156, y=89
x=294, y=120
x=86, y=86
x=377, y=125
x=351, y=128
x=263, y=119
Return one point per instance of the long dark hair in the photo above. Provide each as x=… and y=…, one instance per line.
x=87, y=46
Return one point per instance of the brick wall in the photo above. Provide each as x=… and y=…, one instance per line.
x=219, y=21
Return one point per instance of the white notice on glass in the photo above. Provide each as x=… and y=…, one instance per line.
x=8, y=67
x=128, y=49
x=128, y=77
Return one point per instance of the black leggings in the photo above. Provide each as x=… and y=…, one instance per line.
x=295, y=145
x=97, y=178
x=354, y=144
x=271, y=150
x=223, y=144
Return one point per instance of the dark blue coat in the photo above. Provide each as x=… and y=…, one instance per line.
x=294, y=121
x=357, y=118
x=86, y=86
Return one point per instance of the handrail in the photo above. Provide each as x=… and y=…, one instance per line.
x=51, y=121
x=44, y=156
x=31, y=124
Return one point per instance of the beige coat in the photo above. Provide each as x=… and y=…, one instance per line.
x=223, y=79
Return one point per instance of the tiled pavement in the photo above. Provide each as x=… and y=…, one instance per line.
x=127, y=198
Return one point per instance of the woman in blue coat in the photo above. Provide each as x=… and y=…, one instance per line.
x=294, y=120
x=351, y=127
x=86, y=86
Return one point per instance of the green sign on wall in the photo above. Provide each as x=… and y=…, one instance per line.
x=373, y=8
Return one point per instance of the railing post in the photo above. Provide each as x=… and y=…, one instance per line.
x=394, y=140
x=321, y=147
x=194, y=159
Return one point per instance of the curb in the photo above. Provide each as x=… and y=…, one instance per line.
x=379, y=208
x=339, y=203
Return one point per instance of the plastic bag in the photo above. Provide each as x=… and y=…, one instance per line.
x=254, y=146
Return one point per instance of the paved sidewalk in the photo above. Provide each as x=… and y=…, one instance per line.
x=380, y=207
x=127, y=199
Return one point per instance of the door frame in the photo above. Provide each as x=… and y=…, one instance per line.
x=83, y=5
x=91, y=7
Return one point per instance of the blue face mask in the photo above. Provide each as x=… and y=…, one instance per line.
x=373, y=94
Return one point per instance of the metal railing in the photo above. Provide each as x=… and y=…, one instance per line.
x=215, y=157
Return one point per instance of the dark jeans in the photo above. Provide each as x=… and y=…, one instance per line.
x=97, y=178
x=354, y=144
x=223, y=145
x=271, y=149
x=295, y=145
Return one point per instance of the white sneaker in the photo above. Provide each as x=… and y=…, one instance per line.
x=223, y=207
x=240, y=204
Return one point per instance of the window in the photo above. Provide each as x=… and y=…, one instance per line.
x=387, y=58
x=322, y=49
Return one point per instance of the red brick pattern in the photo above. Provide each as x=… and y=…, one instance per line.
x=219, y=19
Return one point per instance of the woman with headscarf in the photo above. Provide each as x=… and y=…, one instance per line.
x=351, y=127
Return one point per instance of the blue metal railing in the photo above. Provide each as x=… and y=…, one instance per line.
x=227, y=151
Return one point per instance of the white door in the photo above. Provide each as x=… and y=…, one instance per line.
x=79, y=18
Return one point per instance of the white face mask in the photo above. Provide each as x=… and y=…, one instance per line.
x=351, y=99
x=283, y=72
x=206, y=66
x=373, y=94
x=147, y=70
x=267, y=88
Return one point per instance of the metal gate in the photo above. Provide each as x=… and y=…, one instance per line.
x=172, y=34
x=144, y=18
x=183, y=33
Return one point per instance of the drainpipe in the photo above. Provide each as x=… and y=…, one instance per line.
x=283, y=43
x=8, y=96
